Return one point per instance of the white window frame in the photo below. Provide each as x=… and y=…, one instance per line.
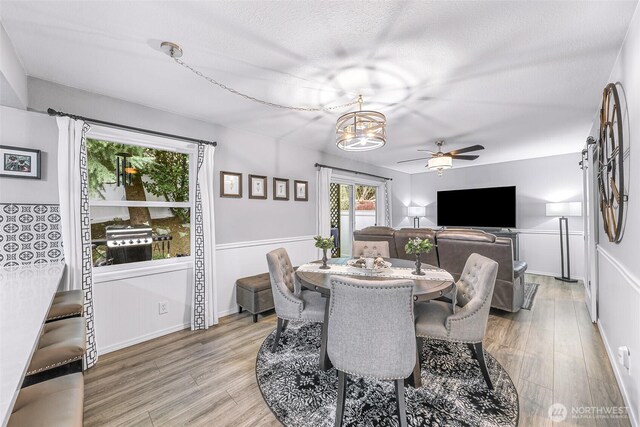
x=122, y=136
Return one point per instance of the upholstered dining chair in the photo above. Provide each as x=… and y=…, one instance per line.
x=371, y=334
x=370, y=249
x=291, y=303
x=436, y=319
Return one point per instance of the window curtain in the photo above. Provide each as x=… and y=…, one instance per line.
x=324, y=206
x=76, y=228
x=204, y=313
x=388, y=215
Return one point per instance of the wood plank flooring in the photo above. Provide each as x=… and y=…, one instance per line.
x=553, y=353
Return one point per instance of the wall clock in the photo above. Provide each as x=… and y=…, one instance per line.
x=611, y=164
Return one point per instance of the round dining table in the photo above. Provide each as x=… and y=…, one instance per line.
x=424, y=289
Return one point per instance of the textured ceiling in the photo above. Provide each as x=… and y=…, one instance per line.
x=521, y=78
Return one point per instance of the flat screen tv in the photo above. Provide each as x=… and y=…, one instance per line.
x=493, y=207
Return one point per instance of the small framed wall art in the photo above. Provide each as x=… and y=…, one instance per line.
x=230, y=184
x=301, y=189
x=280, y=189
x=257, y=187
x=20, y=162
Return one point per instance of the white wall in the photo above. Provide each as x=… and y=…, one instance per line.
x=619, y=264
x=39, y=132
x=13, y=81
x=245, y=229
x=537, y=181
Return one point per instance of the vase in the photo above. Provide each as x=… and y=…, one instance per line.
x=418, y=272
x=324, y=265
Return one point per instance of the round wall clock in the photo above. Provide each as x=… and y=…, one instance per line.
x=611, y=164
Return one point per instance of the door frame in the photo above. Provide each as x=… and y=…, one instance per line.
x=590, y=217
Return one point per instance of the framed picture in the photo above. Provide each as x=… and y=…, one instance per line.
x=257, y=187
x=20, y=162
x=280, y=189
x=301, y=190
x=230, y=184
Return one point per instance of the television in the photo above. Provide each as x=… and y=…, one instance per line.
x=493, y=207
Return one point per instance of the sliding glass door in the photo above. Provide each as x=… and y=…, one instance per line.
x=354, y=206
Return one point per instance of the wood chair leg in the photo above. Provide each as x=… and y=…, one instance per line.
x=239, y=309
x=483, y=366
x=255, y=318
x=285, y=323
x=473, y=351
x=342, y=392
x=401, y=405
x=278, y=332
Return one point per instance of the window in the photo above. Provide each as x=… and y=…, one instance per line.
x=140, y=198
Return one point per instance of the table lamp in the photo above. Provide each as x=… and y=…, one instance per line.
x=416, y=212
x=562, y=211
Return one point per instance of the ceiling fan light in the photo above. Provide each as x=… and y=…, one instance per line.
x=440, y=163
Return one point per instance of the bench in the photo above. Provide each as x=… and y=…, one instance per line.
x=253, y=294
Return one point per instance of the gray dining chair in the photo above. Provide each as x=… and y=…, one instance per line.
x=369, y=249
x=436, y=319
x=371, y=334
x=290, y=301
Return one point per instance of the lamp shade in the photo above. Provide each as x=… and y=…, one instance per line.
x=442, y=162
x=564, y=209
x=416, y=211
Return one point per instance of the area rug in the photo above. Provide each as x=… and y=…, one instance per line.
x=453, y=392
x=530, y=290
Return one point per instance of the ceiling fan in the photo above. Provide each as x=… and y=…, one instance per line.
x=440, y=161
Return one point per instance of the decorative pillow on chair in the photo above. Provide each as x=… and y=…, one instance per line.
x=370, y=249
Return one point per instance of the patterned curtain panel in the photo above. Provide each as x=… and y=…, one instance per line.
x=388, y=217
x=204, y=312
x=76, y=229
x=324, y=202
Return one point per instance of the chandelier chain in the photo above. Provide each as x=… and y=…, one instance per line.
x=260, y=101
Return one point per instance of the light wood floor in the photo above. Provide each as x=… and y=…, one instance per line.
x=553, y=353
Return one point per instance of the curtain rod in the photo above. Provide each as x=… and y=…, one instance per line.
x=53, y=112
x=352, y=171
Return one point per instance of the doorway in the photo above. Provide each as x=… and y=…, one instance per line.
x=353, y=207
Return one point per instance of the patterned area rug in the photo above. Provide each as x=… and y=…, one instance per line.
x=530, y=290
x=453, y=393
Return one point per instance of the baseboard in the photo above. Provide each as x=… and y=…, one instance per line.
x=618, y=375
x=550, y=274
x=142, y=338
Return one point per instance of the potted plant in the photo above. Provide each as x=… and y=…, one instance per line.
x=324, y=243
x=417, y=247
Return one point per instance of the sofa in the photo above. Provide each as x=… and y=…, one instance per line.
x=453, y=247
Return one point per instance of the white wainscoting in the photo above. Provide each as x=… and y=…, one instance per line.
x=619, y=324
x=126, y=302
x=541, y=250
x=235, y=260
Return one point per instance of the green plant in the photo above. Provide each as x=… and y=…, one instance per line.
x=324, y=242
x=418, y=246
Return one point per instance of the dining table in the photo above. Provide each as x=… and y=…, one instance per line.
x=435, y=283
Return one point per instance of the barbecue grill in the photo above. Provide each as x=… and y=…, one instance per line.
x=128, y=243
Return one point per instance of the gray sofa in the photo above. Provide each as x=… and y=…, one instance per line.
x=453, y=247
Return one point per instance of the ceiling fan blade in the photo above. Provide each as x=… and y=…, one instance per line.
x=428, y=151
x=464, y=157
x=466, y=150
x=413, y=160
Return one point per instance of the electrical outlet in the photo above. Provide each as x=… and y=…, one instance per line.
x=163, y=307
x=623, y=356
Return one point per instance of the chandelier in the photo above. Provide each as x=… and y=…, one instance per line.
x=361, y=130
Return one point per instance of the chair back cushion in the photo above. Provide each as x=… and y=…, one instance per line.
x=474, y=293
x=378, y=234
x=371, y=249
x=371, y=327
x=280, y=268
x=403, y=235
